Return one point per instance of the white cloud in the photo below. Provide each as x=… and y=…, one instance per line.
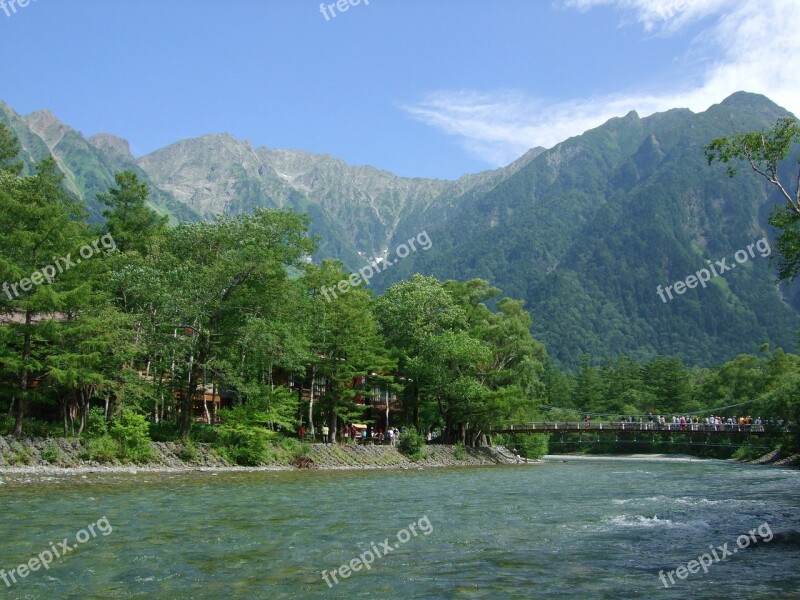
x=756, y=50
x=670, y=15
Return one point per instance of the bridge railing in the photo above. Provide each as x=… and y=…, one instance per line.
x=548, y=426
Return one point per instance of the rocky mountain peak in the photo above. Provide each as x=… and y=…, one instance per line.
x=45, y=124
x=113, y=146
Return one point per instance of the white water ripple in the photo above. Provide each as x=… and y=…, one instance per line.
x=687, y=501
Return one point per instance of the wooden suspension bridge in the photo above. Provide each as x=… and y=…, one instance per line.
x=644, y=427
x=647, y=433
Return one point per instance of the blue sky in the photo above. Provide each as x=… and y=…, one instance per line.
x=429, y=88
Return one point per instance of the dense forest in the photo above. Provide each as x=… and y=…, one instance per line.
x=583, y=232
x=588, y=229
x=120, y=333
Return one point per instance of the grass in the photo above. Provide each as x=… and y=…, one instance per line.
x=51, y=454
x=460, y=452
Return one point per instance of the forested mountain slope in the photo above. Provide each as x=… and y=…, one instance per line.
x=587, y=231
x=584, y=232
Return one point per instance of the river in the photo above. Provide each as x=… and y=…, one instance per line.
x=576, y=529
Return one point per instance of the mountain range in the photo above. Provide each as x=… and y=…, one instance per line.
x=584, y=231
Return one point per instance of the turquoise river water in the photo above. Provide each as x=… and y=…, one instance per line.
x=577, y=529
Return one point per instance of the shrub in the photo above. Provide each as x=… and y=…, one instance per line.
x=295, y=448
x=165, y=431
x=96, y=424
x=460, y=452
x=532, y=446
x=51, y=454
x=20, y=455
x=204, y=433
x=748, y=453
x=411, y=443
x=103, y=449
x=21, y=458
x=189, y=452
x=244, y=446
x=34, y=428
x=132, y=433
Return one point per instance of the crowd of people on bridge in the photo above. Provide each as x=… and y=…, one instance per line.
x=651, y=422
x=694, y=423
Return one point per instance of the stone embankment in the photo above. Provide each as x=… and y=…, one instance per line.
x=333, y=456
x=778, y=459
x=64, y=456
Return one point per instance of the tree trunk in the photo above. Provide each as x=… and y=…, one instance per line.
x=415, y=411
x=188, y=401
x=214, y=403
x=19, y=413
x=387, y=414
x=206, y=414
x=159, y=403
x=311, y=403
x=194, y=377
x=83, y=408
x=62, y=405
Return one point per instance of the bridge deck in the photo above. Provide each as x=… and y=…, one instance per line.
x=598, y=426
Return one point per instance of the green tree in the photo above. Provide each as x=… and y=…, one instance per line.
x=744, y=378
x=764, y=152
x=89, y=360
x=274, y=338
x=513, y=376
x=350, y=354
x=42, y=229
x=9, y=151
x=668, y=380
x=130, y=221
x=588, y=387
x=411, y=315
x=193, y=297
x=559, y=388
x=783, y=402
x=454, y=365
x=623, y=388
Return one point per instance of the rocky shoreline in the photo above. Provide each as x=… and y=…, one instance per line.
x=778, y=459
x=28, y=459
x=773, y=459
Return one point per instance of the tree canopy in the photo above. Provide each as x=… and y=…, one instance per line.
x=165, y=318
x=766, y=152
